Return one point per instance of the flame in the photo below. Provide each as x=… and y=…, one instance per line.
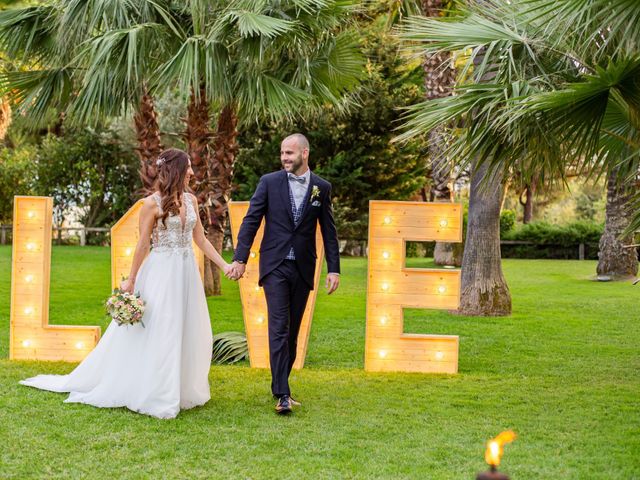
x=495, y=447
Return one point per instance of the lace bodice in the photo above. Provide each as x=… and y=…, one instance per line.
x=174, y=237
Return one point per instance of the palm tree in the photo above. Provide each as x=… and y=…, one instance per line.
x=439, y=80
x=599, y=111
x=254, y=60
x=553, y=85
x=616, y=258
x=50, y=44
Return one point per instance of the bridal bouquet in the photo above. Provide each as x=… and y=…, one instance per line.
x=125, y=308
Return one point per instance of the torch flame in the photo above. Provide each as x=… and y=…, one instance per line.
x=495, y=447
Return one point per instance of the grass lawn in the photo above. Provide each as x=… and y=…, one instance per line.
x=563, y=372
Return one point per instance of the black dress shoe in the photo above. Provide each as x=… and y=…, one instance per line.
x=284, y=405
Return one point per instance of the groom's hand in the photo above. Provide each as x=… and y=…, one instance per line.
x=333, y=280
x=238, y=269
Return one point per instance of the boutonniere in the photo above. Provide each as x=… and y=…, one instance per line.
x=315, y=193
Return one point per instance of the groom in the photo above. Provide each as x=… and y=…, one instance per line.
x=292, y=201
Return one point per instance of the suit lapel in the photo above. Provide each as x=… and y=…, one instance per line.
x=307, y=197
x=286, y=198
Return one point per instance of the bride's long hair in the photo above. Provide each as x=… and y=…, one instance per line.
x=173, y=165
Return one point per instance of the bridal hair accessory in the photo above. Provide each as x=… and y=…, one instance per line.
x=161, y=161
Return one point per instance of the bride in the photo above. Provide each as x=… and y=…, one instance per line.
x=162, y=367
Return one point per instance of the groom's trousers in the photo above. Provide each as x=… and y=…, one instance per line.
x=286, y=293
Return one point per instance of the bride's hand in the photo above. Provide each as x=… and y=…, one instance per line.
x=229, y=272
x=126, y=286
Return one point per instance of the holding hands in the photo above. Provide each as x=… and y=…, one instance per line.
x=235, y=271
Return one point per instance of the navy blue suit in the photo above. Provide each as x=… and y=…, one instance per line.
x=287, y=282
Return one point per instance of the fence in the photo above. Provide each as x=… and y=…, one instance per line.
x=355, y=247
x=6, y=232
x=526, y=249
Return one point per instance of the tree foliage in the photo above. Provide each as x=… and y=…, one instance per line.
x=18, y=169
x=352, y=149
x=90, y=170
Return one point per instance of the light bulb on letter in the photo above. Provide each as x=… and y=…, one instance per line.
x=443, y=223
x=442, y=289
x=386, y=255
x=26, y=343
x=387, y=220
x=28, y=278
x=385, y=286
x=79, y=345
x=383, y=353
x=439, y=355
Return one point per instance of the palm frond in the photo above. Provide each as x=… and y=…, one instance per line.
x=266, y=95
x=251, y=24
x=457, y=33
x=187, y=67
x=229, y=347
x=36, y=91
x=601, y=28
x=576, y=111
x=117, y=64
x=26, y=33
x=338, y=67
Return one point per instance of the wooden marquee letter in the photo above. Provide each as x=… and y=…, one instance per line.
x=254, y=304
x=392, y=287
x=124, y=237
x=31, y=336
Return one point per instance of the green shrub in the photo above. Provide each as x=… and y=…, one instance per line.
x=553, y=241
x=18, y=169
x=507, y=222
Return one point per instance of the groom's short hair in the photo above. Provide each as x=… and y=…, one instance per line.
x=300, y=139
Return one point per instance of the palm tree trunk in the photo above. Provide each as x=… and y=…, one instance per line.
x=438, y=83
x=484, y=290
x=5, y=117
x=197, y=138
x=149, y=144
x=527, y=203
x=444, y=253
x=616, y=261
x=225, y=149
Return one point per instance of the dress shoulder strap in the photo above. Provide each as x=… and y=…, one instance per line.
x=156, y=197
x=187, y=195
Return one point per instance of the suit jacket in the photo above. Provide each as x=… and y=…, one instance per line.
x=271, y=200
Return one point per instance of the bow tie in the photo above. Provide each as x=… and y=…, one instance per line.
x=301, y=180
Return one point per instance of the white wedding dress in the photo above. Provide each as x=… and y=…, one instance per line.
x=162, y=367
